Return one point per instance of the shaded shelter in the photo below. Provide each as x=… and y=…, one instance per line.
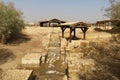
x=72, y=26
x=106, y=23
x=51, y=23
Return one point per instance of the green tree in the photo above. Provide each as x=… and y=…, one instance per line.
x=113, y=11
x=11, y=22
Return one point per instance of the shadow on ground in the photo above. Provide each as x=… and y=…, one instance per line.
x=73, y=38
x=17, y=39
x=6, y=55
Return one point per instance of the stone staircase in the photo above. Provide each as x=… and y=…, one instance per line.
x=54, y=61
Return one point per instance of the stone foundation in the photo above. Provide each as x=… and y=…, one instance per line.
x=18, y=75
x=31, y=60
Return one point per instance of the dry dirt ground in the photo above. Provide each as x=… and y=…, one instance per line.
x=35, y=41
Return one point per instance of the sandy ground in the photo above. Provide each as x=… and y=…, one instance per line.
x=38, y=42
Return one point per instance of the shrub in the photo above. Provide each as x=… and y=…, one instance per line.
x=11, y=22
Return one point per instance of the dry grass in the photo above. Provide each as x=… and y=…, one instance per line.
x=107, y=58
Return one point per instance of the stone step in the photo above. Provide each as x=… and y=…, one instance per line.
x=18, y=75
x=74, y=70
x=31, y=60
x=53, y=50
x=52, y=77
x=77, y=55
x=54, y=44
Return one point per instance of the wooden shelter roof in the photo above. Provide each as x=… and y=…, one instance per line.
x=53, y=21
x=75, y=24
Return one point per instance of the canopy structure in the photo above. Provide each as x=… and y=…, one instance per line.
x=72, y=26
x=48, y=23
x=105, y=23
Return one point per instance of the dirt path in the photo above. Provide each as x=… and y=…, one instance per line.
x=38, y=42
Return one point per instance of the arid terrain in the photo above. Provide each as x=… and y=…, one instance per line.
x=36, y=39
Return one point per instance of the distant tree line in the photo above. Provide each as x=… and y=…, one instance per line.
x=11, y=21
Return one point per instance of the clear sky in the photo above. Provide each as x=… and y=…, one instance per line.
x=68, y=10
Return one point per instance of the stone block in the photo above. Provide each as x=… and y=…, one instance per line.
x=31, y=60
x=18, y=75
x=54, y=44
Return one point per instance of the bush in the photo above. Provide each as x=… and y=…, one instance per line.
x=11, y=22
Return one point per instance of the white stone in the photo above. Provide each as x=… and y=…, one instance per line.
x=31, y=59
x=51, y=72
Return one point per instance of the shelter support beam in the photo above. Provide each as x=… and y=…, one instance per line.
x=71, y=33
x=84, y=30
x=63, y=29
x=74, y=32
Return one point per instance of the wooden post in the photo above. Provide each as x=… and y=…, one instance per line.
x=74, y=32
x=71, y=33
x=84, y=37
x=63, y=29
x=84, y=29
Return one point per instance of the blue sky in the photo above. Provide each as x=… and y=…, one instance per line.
x=68, y=10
